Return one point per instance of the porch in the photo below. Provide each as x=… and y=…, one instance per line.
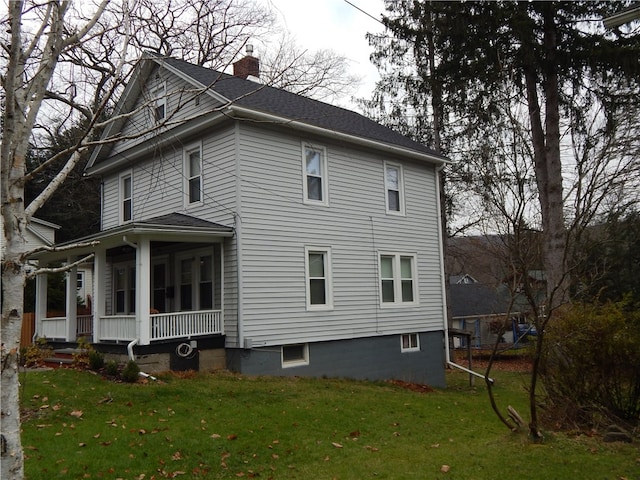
x=159, y=280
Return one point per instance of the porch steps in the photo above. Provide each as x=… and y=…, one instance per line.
x=62, y=357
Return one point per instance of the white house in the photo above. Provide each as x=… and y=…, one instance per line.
x=263, y=232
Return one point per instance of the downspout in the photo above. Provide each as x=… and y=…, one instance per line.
x=444, y=288
x=132, y=357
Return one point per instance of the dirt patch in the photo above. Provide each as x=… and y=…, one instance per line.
x=414, y=387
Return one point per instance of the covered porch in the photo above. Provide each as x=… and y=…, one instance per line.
x=154, y=281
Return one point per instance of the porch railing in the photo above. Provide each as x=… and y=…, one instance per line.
x=117, y=327
x=164, y=326
x=84, y=327
x=185, y=324
x=54, y=327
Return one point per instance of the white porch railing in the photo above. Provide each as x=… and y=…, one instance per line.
x=85, y=325
x=164, y=326
x=117, y=327
x=54, y=327
x=185, y=324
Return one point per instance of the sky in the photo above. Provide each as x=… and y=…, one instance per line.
x=335, y=25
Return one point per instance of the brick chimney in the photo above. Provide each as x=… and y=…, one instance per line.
x=247, y=66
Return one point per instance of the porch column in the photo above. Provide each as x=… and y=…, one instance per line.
x=99, y=289
x=41, y=301
x=72, y=303
x=143, y=290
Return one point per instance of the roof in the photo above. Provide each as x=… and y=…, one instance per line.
x=174, y=225
x=476, y=300
x=246, y=98
x=295, y=107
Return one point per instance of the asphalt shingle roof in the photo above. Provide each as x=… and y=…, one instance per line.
x=263, y=98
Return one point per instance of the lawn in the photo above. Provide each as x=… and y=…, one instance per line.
x=79, y=425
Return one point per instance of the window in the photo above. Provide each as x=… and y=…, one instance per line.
x=295, y=355
x=124, y=289
x=193, y=174
x=398, y=284
x=126, y=198
x=79, y=280
x=394, y=186
x=159, y=99
x=315, y=176
x=409, y=342
x=318, y=273
x=199, y=279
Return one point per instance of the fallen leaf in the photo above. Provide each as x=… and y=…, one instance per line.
x=372, y=449
x=354, y=434
x=445, y=468
x=233, y=436
x=435, y=445
x=216, y=436
x=76, y=413
x=336, y=444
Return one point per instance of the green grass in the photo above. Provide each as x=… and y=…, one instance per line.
x=79, y=425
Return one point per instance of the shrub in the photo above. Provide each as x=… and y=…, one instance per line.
x=130, y=372
x=34, y=354
x=591, y=365
x=111, y=368
x=96, y=360
x=81, y=359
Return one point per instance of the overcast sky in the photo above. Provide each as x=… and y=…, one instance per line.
x=335, y=25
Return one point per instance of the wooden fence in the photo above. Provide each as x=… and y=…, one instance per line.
x=28, y=329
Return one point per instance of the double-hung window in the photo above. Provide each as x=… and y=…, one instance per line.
x=398, y=279
x=314, y=167
x=193, y=174
x=126, y=197
x=159, y=102
x=318, y=278
x=394, y=188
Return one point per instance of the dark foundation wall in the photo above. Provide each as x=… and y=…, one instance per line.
x=373, y=358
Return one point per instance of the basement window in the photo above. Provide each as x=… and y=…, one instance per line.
x=409, y=342
x=295, y=355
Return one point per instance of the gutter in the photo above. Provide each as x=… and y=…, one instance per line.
x=444, y=291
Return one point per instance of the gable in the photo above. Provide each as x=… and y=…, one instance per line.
x=222, y=97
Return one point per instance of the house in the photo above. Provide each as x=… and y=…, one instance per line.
x=248, y=228
x=39, y=233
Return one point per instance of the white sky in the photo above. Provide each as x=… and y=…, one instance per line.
x=335, y=25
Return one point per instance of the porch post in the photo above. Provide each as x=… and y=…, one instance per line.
x=99, y=289
x=143, y=290
x=41, y=301
x=72, y=303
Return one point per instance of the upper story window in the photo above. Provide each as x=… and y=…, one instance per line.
x=398, y=280
x=318, y=273
x=159, y=102
x=314, y=169
x=193, y=174
x=394, y=187
x=126, y=197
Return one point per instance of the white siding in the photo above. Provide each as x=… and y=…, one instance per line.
x=158, y=183
x=276, y=226
x=180, y=95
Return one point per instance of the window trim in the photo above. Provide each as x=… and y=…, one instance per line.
x=297, y=362
x=122, y=199
x=401, y=196
x=328, y=275
x=196, y=301
x=186, y=169
x=129, y=268
x=410, y=336
x=324, y=176
x=397, y=279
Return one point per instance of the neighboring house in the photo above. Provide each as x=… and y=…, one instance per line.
x=263, y=232
x=39, y=233
x=483, y=311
